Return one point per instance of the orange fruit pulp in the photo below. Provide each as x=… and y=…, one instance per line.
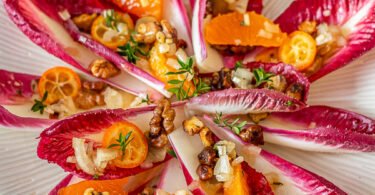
x=59, y=82
x=237, y=185
x=137, y=149
x=142, y=8
x=248, y=29
x=299, y=50
x=118, y=37
x=159, y=66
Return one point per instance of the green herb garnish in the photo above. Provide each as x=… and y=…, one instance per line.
x=146, y=100
x=130, y=49
x=289, y=103
x=39, y=104
x=123, y=141
x=238, y=65
x=95, y=176
x=172, y=153
x=235, y=125
x=182, y=94
x=110, y=18
x=261, y=76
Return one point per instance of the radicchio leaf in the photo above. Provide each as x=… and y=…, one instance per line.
x=243, y=101
x=16, y=88
x=358, y=17
x=55, y=143
x=295, y=179
x=63, y=183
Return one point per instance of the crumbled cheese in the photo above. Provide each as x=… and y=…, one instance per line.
x=246, y=19
x=242, y=78
x=264, y=34
x=112, y=98
x=163, y=48
x=324, y=36
x=271, y=27
x=237, y=42
x=64, y=15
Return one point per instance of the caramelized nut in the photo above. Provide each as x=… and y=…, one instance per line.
x=85, y=21
x=253, y=134
x=96, y=86
x=308, y=27
x=159, y=141
x=206, y=137
x=295, y=91
x=103, y=69
x=207, y=156
x=256, y=118
x=277, y=82
x=193, y=125
x=88, y=99
x=148, y=191
x=205, y=172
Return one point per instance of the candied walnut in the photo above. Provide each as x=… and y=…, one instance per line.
x=161, y=123
x=222, y=79
x=207, y=156
x=253, y=134
x=148, y=191
x=307, y=27
x=54, y=115
x=295, y=91
x=256, y=118
x=103, y=69
x=147, y=30
x=85, y=21
x=95, y=86
x=205, y=172
x=193, y=125
x=88, y=99
x=206, y=137
x=181, y=44
x=159, y=141
x=277, y=82
x=168, y=30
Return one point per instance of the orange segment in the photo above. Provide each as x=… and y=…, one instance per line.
x=231, y=29
x=136, y=150
x=298, y=50
x=59, y=82
x=159, y=66
x=112, y=186
x=238, y=183
x=142, y=8
x=112, y=38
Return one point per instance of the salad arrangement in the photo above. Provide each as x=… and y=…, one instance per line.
x=138, y=112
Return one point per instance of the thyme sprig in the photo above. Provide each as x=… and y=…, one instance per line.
x=235, y=125
x=130, y=49
x=237, y=65
x=110, y=18
x=146, y=100
x=39, y=104
x=187, y=69
x=261, y=76
x=123, y=141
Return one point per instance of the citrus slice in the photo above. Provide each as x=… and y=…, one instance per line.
x=136, y=148
x=248, y=29
x=298, y=50
x=142, y=8
x=115, y=33
x=160, y=67
x=59, y=82
x=237, y=185
x=111, y=186
x=269, y=55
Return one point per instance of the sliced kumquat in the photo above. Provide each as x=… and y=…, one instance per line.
x=248, y=29
x=237, y=185
x=111, y=186
x=59, y=82
x=298, y=50
x=115, y=36
x=136, y=149
x=142, y=8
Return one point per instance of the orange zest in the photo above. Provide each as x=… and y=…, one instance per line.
x=142, y=8
x=59, y=82
x=112, y=38
x=237, y=185
x=159, y=67
x=298, y=50
x=137, y=149
x=268, y=55
x=248, y=29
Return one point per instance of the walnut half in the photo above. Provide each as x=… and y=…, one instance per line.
x=103, y=69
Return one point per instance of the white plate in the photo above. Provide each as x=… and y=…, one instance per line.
x=352, y=87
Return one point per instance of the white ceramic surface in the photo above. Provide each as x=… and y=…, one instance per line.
x=352, y=87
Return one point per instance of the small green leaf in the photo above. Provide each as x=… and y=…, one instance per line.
x=289, y=103
x=172, y=153
x=113, y=145
x=174, y=90
x=174, y=82
x=238, y=65
x=95, y=176
x=175, y=73
x=237, y=130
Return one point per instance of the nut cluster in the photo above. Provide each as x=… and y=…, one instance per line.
x=103, y=69
x=90, y=95
x=161, y=123
x=85, y=21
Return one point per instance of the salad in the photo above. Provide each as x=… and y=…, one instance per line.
x=148, y=105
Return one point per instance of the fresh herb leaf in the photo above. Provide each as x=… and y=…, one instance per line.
x=95, y=176
x=122, y=142
x=174, y=82
x=110, y=18
x=175, y=73
x=39, y=104
x=238, y=65
x=235, y=125
x=261, y=76
x=172, y=153
x=146, y=100
x=289, y=103
x=130, y=49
